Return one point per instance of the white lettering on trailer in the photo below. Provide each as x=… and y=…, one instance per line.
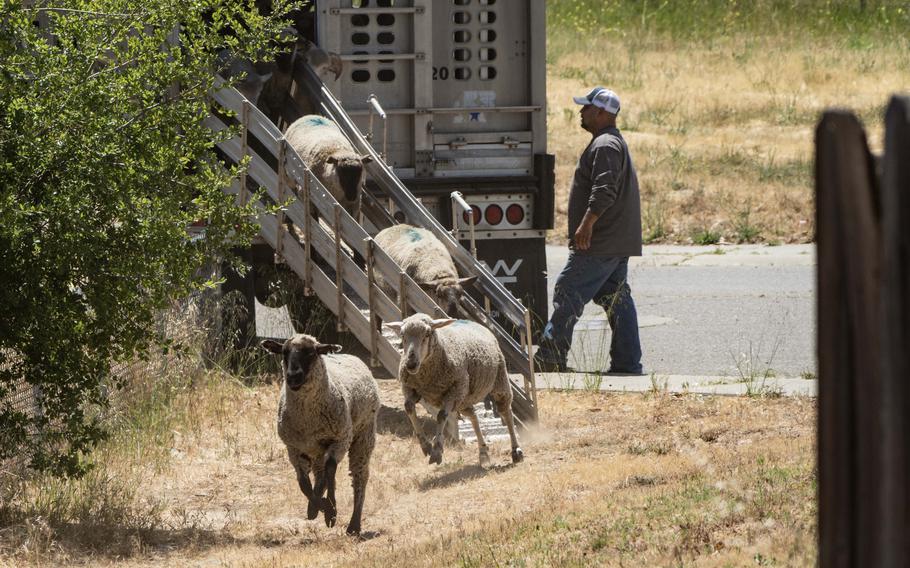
x=509, y=277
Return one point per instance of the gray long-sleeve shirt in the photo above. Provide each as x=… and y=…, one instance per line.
x=606, y=183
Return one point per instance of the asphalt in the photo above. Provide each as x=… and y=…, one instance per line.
x=714, y=319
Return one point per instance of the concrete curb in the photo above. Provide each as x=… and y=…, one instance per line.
x=694, y=384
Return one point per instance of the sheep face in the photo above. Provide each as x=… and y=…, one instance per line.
x=448, y=292
x=299, y=355
x=418, y=337
x=349, y=171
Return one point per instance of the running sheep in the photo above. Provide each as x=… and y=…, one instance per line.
x=426, y=260
x=328, y=408
x=326, y=151
x=452, y=365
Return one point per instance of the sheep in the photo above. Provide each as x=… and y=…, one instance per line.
x=277, y=101
x=328, y=407
x=330, y=156
x=452, y=365
x=424, y=258
x=250, y=80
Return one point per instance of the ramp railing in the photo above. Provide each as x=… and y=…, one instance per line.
x=494, y=292
x=276, y=172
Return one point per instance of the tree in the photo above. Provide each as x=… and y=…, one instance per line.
x=104, y=162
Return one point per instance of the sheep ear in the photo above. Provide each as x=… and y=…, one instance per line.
x=326, y=348
x=272, y=346
x=442, y=322
x=366, y=159
x=394, y=326
x=332, y=159
x=467, y=281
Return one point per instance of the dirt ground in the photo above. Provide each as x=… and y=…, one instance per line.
x=608, y=479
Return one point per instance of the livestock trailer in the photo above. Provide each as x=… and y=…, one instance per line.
x=462, y=86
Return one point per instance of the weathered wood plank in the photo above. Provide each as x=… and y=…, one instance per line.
x=895, y=347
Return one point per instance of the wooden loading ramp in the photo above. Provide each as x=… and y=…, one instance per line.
x=349, y=292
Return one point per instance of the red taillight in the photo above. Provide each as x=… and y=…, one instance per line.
x=493, y=214
x=476, y=211
x=515, y=214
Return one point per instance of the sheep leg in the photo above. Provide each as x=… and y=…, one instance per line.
x=448, y=405
x=411, y=398
x=315, y=504
x=302, y=465
x=504, y=405
x=481, y=443
x=359, y=467
x=328, y=504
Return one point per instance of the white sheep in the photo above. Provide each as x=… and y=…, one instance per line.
x=326, y=151
x=426, y=260
x=328, y=407
x=452, y=365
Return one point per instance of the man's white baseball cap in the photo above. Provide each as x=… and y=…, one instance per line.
x=602, y=98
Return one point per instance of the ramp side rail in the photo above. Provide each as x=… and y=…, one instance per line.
x=278, y=170
x=518, y=354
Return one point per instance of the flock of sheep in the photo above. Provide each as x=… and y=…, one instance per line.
x=329, y=402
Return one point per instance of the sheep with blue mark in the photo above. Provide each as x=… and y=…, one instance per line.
x=328, y=408
x=426, y=260
x=452, y=365
x=331, y=157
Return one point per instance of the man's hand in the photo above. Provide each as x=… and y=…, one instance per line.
x=583, y=233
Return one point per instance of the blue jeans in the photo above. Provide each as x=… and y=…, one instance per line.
x=604, y=280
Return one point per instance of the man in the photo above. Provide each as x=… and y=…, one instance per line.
x=604, y=231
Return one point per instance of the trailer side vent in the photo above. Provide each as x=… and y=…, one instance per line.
x=462, y=54
x=487, y=72
x=487, y=17
x=360, y=20
x=462, y=36
x=385, y=19
x=462, y=73
x=360, y=76
x=487, y=54
x=386, y=75
x=487, y=36
x=462, y=18
x=385, y=38
x=360, y=38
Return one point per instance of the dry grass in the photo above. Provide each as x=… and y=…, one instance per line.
x=633, y=479
x=721, y=131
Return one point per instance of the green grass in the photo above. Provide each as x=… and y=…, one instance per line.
x=705, y=20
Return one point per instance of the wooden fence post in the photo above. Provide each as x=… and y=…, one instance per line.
x=863, y=339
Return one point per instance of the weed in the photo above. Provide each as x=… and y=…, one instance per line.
x=706, y=236
x=746, y=231
x=592, y=382
x=659, y=384
x=754, y=369
x=808, y=376
x=654, y=220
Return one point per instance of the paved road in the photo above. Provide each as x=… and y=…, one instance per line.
x=747, y=310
